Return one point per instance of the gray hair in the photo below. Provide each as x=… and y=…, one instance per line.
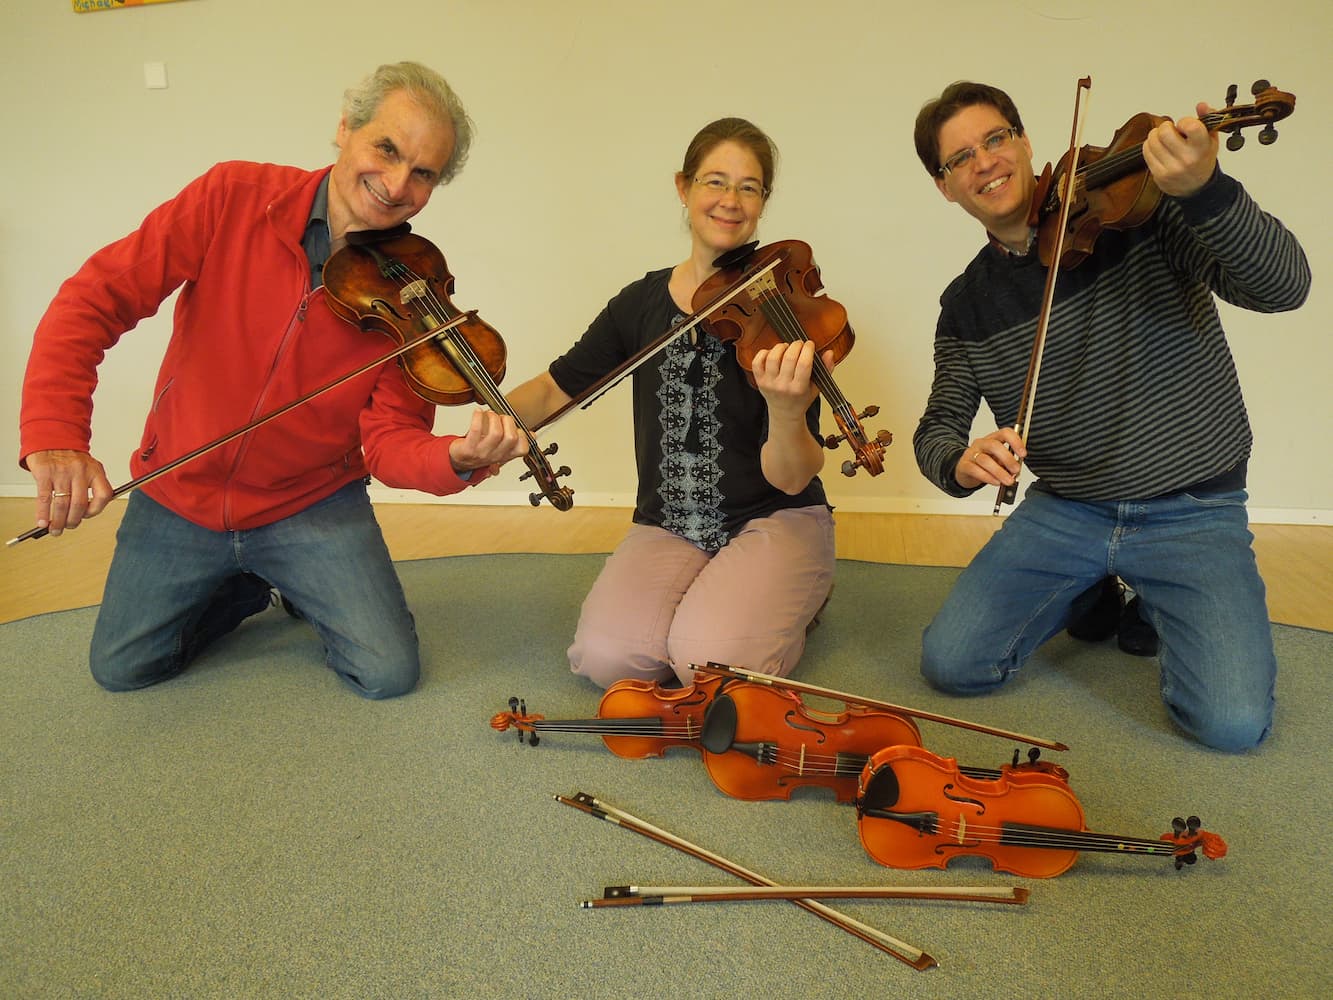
x=429, y=89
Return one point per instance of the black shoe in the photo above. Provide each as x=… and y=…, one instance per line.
x=1101, y=619
x=1136, y=636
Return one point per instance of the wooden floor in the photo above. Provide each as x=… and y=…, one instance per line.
x=54, y=574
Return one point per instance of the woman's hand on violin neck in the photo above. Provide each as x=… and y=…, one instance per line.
x=790, y=457
x=1181, y=155
x=491, y=440
x=71, y=485
x=783, y=374
x=992, y=460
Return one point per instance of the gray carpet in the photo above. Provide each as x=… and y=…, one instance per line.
x=252, y=829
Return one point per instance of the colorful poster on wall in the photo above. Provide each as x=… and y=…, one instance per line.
x=87, y=6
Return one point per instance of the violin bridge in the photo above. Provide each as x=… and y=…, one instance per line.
x=414, y=290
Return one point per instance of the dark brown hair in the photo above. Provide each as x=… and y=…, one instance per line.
x=737, y=130
x=956, y=97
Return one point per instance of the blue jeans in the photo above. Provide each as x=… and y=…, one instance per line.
x=174, y=587
x=1189, y=559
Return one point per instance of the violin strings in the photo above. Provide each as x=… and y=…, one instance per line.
x=1019, y=835
x=621, y=727
x=1121, y=161
x=406, y=276
x=788, y=326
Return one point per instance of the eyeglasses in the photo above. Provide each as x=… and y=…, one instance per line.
x=992, y=144
x=746, y=190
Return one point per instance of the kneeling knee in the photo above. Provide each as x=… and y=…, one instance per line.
x=945, y=670
x=1233, y=732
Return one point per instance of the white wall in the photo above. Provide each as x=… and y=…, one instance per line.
x=584, y=108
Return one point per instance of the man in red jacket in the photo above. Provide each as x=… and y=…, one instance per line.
x=286, y=504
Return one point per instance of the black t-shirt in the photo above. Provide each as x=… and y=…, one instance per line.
x=698, y=423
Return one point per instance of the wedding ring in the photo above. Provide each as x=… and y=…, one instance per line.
x=54, y=495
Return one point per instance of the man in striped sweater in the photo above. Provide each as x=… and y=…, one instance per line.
x=1138, y=436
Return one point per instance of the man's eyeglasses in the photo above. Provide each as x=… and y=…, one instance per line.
x=992, y=144
x=747, y=190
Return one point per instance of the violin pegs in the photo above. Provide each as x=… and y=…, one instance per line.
x=1178, y=825
x=534, y=498
x=1235, y=140
x=551, y=448
x=1193, y=824
x=562, y=471
x=849, y=468
x=1231, y=95
x=513, y=704
x=1267, y=135
x=869, y=411
x=1259, y=87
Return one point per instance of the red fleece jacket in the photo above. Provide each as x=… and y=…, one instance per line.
x=248, y=336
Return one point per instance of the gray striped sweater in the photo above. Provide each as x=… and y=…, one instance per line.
x=1138, y=395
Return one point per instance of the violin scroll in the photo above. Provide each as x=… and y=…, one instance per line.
x=1270, y=105
x=518, y=717
x=869, y=453
x=1188, y=836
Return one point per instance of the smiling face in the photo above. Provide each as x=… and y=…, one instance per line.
x=723, y=220
x=387, y=169
x=995, y=188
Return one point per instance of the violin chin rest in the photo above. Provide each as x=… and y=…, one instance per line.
x=882, y=790
x=719, y=728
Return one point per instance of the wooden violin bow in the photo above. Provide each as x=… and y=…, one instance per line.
x=1024, y=421
x=599, y=809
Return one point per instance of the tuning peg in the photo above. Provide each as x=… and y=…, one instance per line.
x=1231, y=95
x=1235, y=140
x=1259, y=87
x=513, y=704
x=1267, y=135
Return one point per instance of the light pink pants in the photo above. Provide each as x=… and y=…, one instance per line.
x=661, y=603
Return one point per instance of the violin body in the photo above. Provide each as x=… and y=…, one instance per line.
x=796, y=280
x=919, y=810
x=1123, y=200
x=359, y=291
x=762, y=743
x=397, y=283
x=784, y=303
